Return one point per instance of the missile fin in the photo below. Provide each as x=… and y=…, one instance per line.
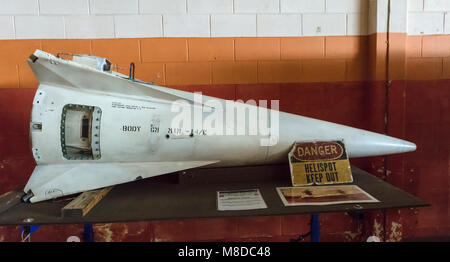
x=52, y=181
x=55, y=71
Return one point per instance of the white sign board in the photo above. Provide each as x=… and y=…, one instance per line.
x=240, y=200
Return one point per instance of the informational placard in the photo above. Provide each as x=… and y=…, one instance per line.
x=324, y=195
x=240, y=200
x=319, y=163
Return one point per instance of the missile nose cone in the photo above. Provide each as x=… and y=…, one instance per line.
x=378, y=144
x=373, y=144
x=397, y=146
x=407, y=146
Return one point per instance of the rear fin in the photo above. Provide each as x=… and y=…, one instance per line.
x=55, y=71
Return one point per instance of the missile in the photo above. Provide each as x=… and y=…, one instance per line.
x=92, y=127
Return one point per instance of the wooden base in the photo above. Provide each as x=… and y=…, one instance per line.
x=81, y=205
x=10, y=199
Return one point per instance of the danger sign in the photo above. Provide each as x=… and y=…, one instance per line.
x=319, y=163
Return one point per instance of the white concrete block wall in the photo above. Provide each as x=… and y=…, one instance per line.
x=324, y=24
x=279, y=25
x=425, y=23
x=241, y=25
x=415, y=5
x=88, y=26
x=302, y=6
x=427, y=17
x=378, y=16
x=357, y=24
x=22, y=7
x=373, y=17
x=436, y=5
x=217, y=18
x=162, y=6
x=112, y=7
x=7, y=28
x=347, y=6
x=399, y=13
x=447, y=23
x=186, y=25
x=256, y=6
x=58, y=7
x=210, y=6
x=28, y=27
x=129, y=26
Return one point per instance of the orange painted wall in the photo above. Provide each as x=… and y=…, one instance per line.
x=203, y=61
x=428, y=57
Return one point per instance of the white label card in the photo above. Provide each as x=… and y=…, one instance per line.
x=240, y=200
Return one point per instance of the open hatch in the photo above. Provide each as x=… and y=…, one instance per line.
x=80, y=132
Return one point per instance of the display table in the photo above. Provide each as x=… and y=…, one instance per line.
x=192, y=194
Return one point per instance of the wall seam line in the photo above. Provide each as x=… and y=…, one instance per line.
x=234, y=48
x=301, y=24
x=443, y=23
x=256, y=23
x=164, y=71
x=114, y=26
x=14, y=27
x=64, y=26
x=162, y=25
x=139, y=50
x=346, y=24
x=18, y=76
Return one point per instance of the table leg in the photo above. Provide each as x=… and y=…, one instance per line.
x=88, y=234
x=315, y=228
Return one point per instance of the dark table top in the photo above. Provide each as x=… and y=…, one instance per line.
x=192, y=194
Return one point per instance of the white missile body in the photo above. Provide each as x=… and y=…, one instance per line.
x=92, y=127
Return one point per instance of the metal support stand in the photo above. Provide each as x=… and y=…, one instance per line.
x=315, y=228
x=26, y=231
x=88, y=234
x=314, y=231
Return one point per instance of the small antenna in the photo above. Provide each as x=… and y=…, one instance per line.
x=131, y=77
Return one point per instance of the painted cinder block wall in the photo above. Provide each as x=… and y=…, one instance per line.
x=321, y=58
